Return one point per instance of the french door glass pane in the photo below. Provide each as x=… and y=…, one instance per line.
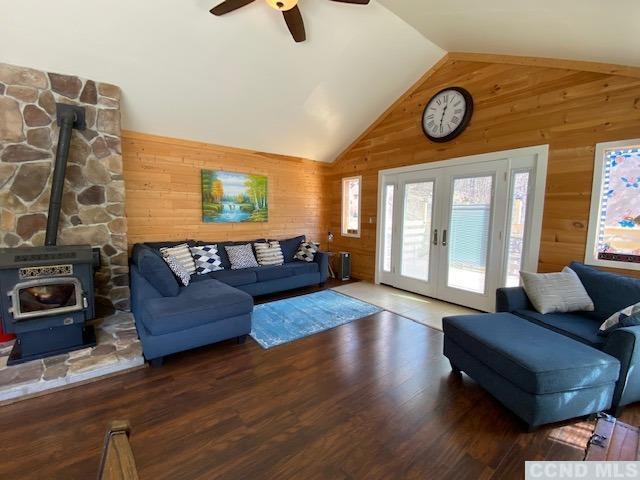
x=416, y=230
x=518, y=215
x=469, y=233
x=388, y=227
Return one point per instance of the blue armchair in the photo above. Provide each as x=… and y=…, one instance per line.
x=610, y=293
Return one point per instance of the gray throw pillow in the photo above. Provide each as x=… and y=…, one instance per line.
x=241, y=256
x=556, y=292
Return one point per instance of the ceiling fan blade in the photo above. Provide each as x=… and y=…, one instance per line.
x=357, y=2
x=229, y=6
x=295, y=23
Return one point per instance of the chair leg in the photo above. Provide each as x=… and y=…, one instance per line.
x=241, y=339
x=156, y=362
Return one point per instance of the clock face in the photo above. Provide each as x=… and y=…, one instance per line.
x=447, y=114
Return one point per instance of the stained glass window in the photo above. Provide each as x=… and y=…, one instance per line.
x=615, y=230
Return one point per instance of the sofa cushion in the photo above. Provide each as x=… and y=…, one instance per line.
x=578, y=326
x=556, y=292
x=300, y=268
x=610, y=292
x=206, y=258
x=222, y=252
x=272, y=272
x=235, y=277
x=306, y=251
x=535, y=359
x=178, y=270
x=181, y=254
x=241, y=256
x=627, y=317
x=290, y=246
x=268, y=253
x=155, y=271
x=195, y=305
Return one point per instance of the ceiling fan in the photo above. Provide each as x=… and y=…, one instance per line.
x=289, y=9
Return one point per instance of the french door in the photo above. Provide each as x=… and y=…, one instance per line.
x=443, y=231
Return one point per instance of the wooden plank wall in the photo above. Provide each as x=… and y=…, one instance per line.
x=518, y=103
x=162, y=178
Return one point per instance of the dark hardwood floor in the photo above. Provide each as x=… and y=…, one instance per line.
x=373, y=399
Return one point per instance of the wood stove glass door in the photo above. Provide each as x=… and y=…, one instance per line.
x=46, y=296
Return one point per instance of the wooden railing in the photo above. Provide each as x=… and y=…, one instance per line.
x=117, y=458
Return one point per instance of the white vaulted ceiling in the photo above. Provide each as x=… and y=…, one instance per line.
x=593, y=30
x=240, y=80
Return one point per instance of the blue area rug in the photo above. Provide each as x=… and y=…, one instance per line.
x=287, y=320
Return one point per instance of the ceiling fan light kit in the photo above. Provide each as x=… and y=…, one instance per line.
x=282, y=5
x=289, y=9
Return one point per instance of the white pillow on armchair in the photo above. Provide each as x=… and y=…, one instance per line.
x=556, y=292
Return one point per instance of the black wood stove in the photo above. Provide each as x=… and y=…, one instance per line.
x=46, y=293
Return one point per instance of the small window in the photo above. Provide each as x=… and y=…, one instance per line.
x=517, y=226
x=614, y=223
x=351, y=206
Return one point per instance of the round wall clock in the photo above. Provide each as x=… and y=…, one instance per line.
x=447, y=114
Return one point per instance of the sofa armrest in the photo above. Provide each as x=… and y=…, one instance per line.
x=624, y=344
x=322, y=259
x=141, y=290
x=512, y=299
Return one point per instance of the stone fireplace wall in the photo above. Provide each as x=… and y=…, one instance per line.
x=93, y=203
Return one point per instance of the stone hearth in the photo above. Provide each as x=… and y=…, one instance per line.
x=118, y=350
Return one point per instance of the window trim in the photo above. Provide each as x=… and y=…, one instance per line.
x=345, y=203
x=596, y=202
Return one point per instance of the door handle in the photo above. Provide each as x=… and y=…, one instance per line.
x=435, y=237
x=444, y=238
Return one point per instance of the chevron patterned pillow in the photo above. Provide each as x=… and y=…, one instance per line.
x=206, y=258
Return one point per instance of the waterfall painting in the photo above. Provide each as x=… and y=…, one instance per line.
x=229, y=197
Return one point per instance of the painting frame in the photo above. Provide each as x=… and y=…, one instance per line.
x=234, y=197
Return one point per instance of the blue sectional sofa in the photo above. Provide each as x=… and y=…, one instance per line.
x=584, y=371
x=214, y=307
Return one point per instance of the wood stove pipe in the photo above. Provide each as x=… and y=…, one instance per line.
x=68, y=117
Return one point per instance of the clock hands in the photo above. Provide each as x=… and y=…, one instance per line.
x=443, y=113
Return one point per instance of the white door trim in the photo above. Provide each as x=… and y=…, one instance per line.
x=541, y=154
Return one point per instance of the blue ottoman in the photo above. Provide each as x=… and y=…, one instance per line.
x=540, y=375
